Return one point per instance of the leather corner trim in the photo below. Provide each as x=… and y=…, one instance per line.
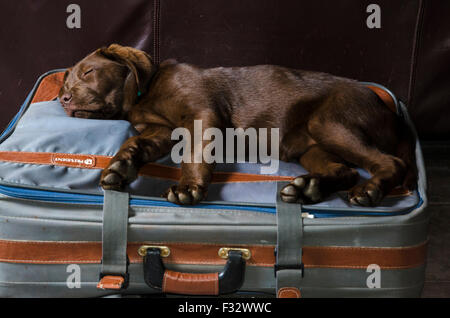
x=111, y=282
x=49, y=88
x=289, y=292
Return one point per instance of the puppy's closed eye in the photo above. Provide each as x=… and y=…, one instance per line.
x=88, y=71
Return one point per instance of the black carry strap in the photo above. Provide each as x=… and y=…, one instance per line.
x=114, y=271
x=289, y=266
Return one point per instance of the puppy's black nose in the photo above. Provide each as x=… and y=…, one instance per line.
x=66, y=98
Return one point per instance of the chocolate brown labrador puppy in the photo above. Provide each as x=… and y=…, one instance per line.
x=327, y=123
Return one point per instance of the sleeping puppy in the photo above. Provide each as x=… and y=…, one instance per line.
x=328, y=124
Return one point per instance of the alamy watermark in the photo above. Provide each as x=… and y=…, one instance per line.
x=74, y=278
x=374, y=279
x=373, y=21
x=73, y=20
x=209, y=145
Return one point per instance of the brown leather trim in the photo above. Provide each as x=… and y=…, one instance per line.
x=190, y=284
x=100, y=162
x=289, y=292
x=55, y=159
x=48, y=88
x=361, y=257
x=65, y=252
x=111, y=282
x=154, y=170
x=385, y=97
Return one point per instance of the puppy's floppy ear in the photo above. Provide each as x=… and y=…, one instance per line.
x=139, y=63
x=66, y=74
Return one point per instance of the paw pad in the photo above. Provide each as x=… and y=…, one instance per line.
x=303, y=189
x=184, y=195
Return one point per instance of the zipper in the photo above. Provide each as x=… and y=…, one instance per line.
x=95, y=199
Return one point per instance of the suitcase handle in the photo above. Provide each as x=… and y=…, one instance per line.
x=229, y=280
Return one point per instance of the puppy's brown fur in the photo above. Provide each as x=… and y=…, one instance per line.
x=329, y=124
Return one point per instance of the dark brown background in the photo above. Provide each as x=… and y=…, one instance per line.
x=410, y=54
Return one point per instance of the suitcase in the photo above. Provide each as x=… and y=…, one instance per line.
x=61, y=235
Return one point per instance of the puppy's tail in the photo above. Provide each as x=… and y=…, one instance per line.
x=406, y=150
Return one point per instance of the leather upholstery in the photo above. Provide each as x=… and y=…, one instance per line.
x=409, y=54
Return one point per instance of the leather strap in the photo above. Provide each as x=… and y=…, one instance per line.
x=114, y=239
x=289, y=264
x=289, y=232
x=100, y=162
x=190, y=284
x=154, y=170
x=79, y=252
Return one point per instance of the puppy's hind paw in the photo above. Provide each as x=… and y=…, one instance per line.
x=366, y=194
x=303, y=189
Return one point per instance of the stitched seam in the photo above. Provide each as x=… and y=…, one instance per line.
x=45, y=242
x=154, y=31
x=415, y=51
x=56, y=153
x=366, y=248
x=210, y=244
x=188, y=280
x=50, y=162
x=92, y=261
x=182, y=279
x=212, y=262
x=364, y=267
x=156, y=26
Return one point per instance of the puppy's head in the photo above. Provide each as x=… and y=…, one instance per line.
x=106, y=83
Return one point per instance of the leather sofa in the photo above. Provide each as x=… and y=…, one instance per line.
x=409, y=53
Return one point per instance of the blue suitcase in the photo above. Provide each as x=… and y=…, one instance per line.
x=61, y=235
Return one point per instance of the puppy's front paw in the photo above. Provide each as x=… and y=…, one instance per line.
x=366, y=194
x=118, y=174
x=303, y=189
x=185, y=194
